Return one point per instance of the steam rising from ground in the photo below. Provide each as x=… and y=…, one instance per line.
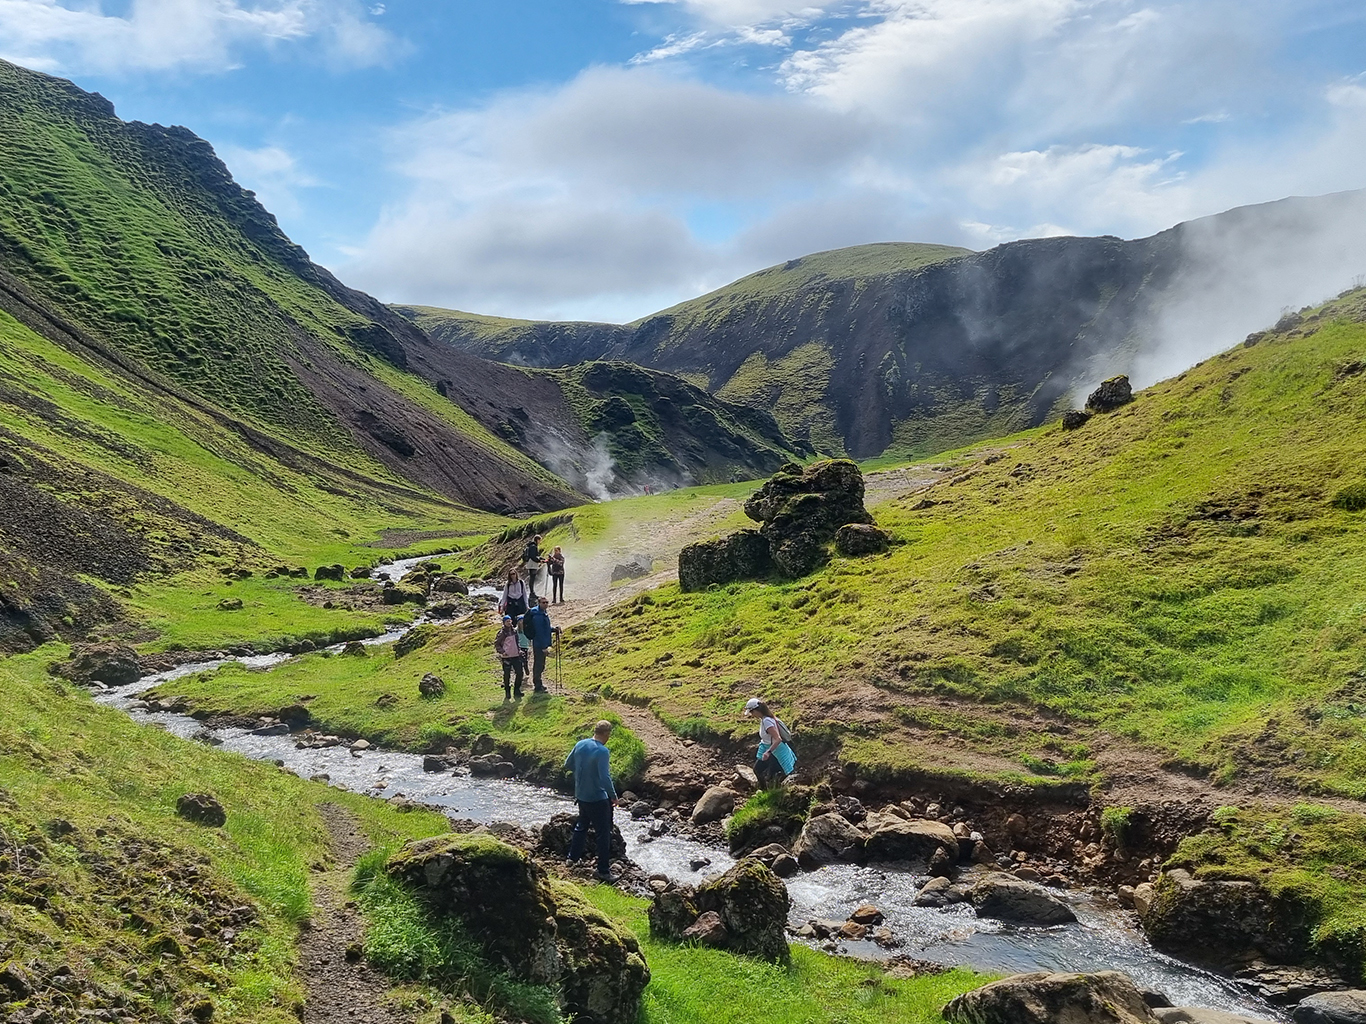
x=594, y=472
x=1241, y=272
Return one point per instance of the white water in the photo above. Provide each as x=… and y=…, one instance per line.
x=1104, y=938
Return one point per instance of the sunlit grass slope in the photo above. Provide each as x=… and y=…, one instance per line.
x=1183, y=573
x=100, y=875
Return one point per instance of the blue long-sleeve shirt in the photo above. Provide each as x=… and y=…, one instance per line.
x=590, y=762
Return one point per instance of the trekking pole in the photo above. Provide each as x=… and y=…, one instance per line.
x=559, y=671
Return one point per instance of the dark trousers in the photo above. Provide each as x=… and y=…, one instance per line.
x=597, y=815
x=511, y=666
x=531, y=575
x=556, y=589
x=537, y=667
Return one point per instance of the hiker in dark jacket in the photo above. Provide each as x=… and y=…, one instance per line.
x=590, y=761
x=531, y=562
x=554, y=567
x=536, y=625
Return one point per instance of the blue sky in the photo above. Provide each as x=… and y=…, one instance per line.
x=602, y=159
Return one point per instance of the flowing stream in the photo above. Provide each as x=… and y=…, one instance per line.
x=1104, y=937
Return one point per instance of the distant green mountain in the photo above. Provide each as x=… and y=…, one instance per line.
x=181, y=385
x=915, y=349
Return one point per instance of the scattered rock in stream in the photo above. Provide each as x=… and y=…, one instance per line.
x=538, y=929
x=1332, y=1008
x=1007, y=898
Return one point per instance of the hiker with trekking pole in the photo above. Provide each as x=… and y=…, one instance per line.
x=543, y=635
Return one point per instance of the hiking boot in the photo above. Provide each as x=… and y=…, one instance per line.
x=507, y=695
x=604, y=876
x=540, y=689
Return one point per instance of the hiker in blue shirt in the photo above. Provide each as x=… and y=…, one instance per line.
x=536, y=625
x=590, y=762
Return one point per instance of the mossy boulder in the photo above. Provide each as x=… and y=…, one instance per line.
x=855, y=539
x=800, y=512
x=1111, y=395
x=750, y=900
x=1106, y=997
x=403, y=595
x=1221, y=921
x=113, y=664
x=415, y=639
x=741, y=556
x=534, y=928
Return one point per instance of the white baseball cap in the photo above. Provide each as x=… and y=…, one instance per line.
x=752, y=703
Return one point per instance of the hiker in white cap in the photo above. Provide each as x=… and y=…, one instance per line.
x=775, y=759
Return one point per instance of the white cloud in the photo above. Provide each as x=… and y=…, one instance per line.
x=272, y=173
x=204, y=35
x=961, y=121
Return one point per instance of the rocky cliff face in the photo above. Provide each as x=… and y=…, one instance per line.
x=918, y=352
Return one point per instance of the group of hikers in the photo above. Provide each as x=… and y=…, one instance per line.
x=590, y=762
x=527, y=635
x=524, y=639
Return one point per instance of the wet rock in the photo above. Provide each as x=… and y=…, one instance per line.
x=917, y=841
x=1106, y=997
x=275, y=729
x=492, y=766
x=1216, y=921
x=1326, y=1008
x=853, y=931
x=330, y=572
x=431, y=685
x=536, y=929
x=1111, y=395
x=436, y=763
x=451, y=584
x=709, y=930
x=741, y=556
x=1008, y=898
x=202, y=809
x=785, y=866
x=867, y=915
x=828, y=839
x=1200, y=1015
x=884, y=938
x=360, y=745
x=1074, y=419
x=750, y=901
x=937, y=892
x=230, y=604
x=641, y=809
x=113, y=664
x=1142, y=898
x=855, y=539
x=714, y=804
x=555, y=837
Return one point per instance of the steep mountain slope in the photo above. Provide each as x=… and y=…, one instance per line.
x=918, y=348
x=132, y=243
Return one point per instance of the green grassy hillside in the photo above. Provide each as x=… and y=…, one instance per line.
x=1181, y=575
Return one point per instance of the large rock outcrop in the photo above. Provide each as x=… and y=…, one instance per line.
x=750, y=905
x=799, y=510
x=1106, y=997
x=828, y=839
x=1215, y=922
x=536, y=929
x=113, y=664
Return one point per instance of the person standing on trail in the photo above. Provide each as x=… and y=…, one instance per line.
x=590, y=761
x=536, y=625
x=531, y=560
x=513, y=601
x=554, y=567
x=775, y=759
x=505, y=646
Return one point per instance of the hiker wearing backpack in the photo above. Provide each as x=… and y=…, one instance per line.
x=531, y=561
x=506, y=647
x=775, y=759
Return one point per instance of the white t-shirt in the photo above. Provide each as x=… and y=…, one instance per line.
x=766, y=724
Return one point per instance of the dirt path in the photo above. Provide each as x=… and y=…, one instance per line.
x=339, y=991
